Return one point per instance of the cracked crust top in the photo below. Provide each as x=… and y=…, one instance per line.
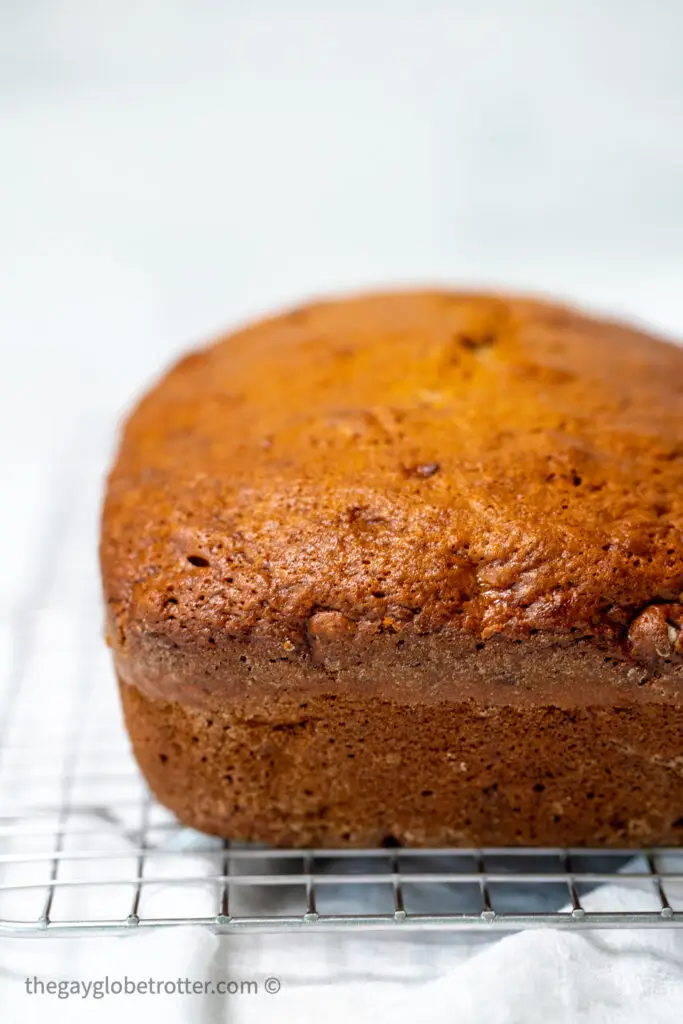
x=396, y=471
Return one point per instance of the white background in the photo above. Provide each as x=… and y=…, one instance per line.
x=170, y=167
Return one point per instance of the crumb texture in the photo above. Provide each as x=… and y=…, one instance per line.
x=337, y=771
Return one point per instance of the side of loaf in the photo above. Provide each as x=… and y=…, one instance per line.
x=407, y=569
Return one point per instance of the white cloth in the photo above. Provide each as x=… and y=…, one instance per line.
x=610, y=977
x=171, y=167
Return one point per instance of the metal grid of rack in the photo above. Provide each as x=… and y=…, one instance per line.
x=83, y=846
x=86, y=884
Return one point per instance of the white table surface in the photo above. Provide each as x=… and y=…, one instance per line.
x=170, y=167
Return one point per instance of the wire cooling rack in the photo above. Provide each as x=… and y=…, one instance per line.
x=83, y=846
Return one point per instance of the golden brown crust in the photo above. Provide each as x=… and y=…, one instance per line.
x=411, y=464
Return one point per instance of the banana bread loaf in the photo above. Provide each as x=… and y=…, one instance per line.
x=407, y=569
